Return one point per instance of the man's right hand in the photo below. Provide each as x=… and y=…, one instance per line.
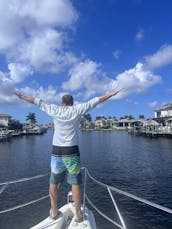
x=109, y=95
x=116, y=91
x=18, y=94
x=23, y=97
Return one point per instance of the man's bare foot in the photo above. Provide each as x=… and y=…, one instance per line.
x=54, y=214
x=79, y=217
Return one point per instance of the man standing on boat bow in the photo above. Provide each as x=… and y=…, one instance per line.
x=65, y=152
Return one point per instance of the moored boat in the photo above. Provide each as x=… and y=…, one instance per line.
x=4, y=134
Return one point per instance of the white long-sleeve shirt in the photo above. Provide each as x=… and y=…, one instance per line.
x=66, y=120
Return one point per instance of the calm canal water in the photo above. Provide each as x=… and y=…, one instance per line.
x=141, y=166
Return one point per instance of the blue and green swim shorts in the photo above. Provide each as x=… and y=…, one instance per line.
x=65, y=160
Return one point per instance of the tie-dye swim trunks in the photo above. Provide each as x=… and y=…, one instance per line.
x=65, y=160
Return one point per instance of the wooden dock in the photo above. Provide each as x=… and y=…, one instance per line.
x=6, y=135
x=152, y=133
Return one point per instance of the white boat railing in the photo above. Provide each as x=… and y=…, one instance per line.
x=85, y=197
x=165, y=209
x=5, y=184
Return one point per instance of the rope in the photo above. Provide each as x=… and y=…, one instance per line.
x=3, y=188
x=24, y=179
x=102, y=214
x=165, y=209
x=116, y=208
x=23, y=205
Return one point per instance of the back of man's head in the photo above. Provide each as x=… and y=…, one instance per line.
x=67, y=100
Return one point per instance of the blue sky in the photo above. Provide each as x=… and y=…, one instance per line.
x=86, y=48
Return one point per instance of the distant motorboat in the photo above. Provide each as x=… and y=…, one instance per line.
x=35, y=130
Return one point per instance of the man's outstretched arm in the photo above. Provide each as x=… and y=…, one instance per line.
x=108, y=96
x=50, y=109
x=24, y=97
x=85, y=107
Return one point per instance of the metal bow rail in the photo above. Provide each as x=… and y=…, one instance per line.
x=85, y=197
x=5, y=184
x=110, y=189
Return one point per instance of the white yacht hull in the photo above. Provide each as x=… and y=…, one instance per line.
x=66, y=220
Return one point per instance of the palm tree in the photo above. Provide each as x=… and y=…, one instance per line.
x=15, y=125
x=82, y=123
x=98, y=117
x=115, y=118
x=141, y=116
x=85, y=120
x=31, y=118
x=87, y=117
x=130, y=117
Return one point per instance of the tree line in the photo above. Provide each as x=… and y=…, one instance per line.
x=86, y=119
x=141, y=116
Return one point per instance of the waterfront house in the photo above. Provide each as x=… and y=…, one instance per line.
x=4, y=119
x=101, y=123
x=168, y=122
x=137, y=123
x=109, y=123
x=125, y=123
x=164, y=112
x=114, y=124
x=151, y=125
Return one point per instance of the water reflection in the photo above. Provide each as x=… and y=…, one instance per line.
x=139, y=165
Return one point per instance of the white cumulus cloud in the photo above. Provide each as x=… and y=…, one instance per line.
x=48, y=94
x=33, y=33
x=34, y=36
x=6, y=90
x=18, y=72
x=161, y=58
x=89, y=76
x=51, y=12
x=135, y=80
